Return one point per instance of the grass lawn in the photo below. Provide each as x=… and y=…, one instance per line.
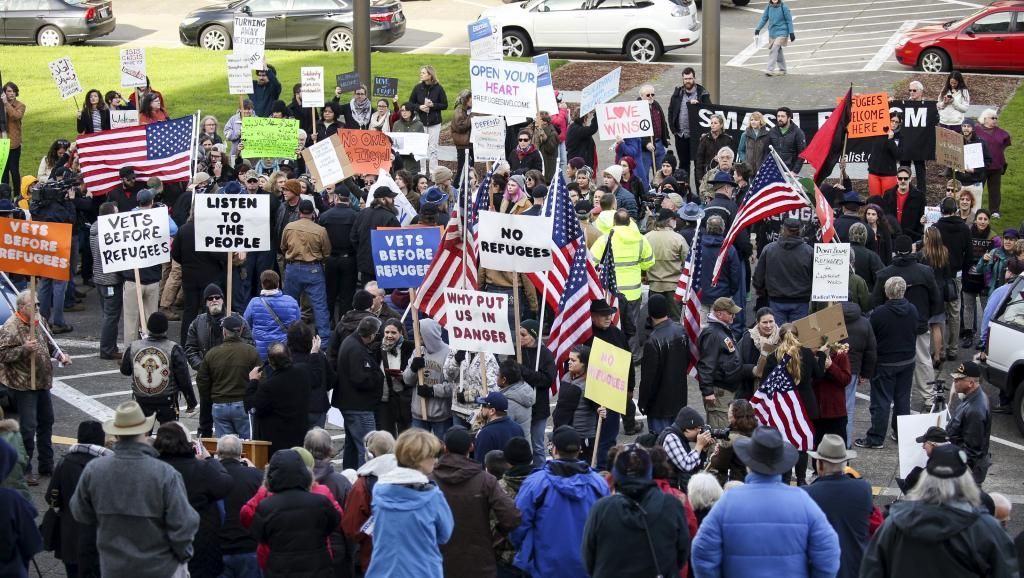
x=1011, y=119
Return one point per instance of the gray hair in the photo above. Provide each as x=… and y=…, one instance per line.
x=831, y=468
x=986, y=114
x=703, y=490
x=937, y=491
x=229, y=447
x=895, y=287
x=916, y=84
x=24, y=298
x=721, y=120
x=858, y=233
x=318, y=442
x=379, y=443
x=645, y=88
x=716, y=225
x=368, y=327
x=725, y=152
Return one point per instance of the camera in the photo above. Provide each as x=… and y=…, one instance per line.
x=717, y=433
x=52, y=191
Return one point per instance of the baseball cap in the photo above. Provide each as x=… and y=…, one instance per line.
x=233, y=323
x=967, y=369
x=565, y=439
x=252, y=176
x=948, y=461
x=934, y=434
x=145, y=197
x=495, y=400
x=725, y=304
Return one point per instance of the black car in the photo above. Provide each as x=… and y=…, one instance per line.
x=308, y=24
x=55, y=22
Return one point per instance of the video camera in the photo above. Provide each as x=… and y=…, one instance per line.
x=717, y=433
x=53, y=191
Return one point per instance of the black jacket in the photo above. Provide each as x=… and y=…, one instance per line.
x=866, y=264
x=77, y=541
x=125, y=198
x=812, y=366
x=206, y=484
x=676, y=104
x=323, y=379
x=246, y=481
x=181, y=379
x=517, y=165
x=843, y=224
x=84, y=124
x=791, y=261
x=360, y=378
x=895, y=326
x=913, y=210
x=847, y=504
x=863, y=352
x=719, y=364
x=885, y=156
x=922, y=290
x=579, y=142
x=369, y=220
x=198, y=268
x=305, y=118
x=540, y=380
x=789, y=145
x=970, y=428
x=436, y=94
x=977, y=175
x=339, y=222
x=707, y=150
x=281, y=404
x=956, y=236
x=663, y=370
x=204, y=334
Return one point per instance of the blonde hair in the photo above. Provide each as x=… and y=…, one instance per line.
x=430, y=70
x=756, y=115
x=789, y=344
x=416, y=445
x=272, y=183
x=954, y=184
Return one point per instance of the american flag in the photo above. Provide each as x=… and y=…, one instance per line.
x=479, y=203
x=606, y=271
x=777, y=404
x=566, y=237
x=774, y=194
x=162, y=149
x=688, y=291
x=572, y=324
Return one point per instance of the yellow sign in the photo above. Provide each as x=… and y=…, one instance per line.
x=608, y=376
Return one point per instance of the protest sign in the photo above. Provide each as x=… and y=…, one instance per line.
x=624, y=119
x=36, y=248
x=239, y=74
x=520, y=243
x=478, y=321
x=406, y=212
x=401, y=256
x=5, y=152
x=250, y=38
x=488, y=138
x=831, y=281
x=312, y=86
x=385, y=87
x=226, y=223
x=325, y=160
x=133, y=67
x=931, y=216
x=949, y=148
x=545, y=90
x=503, y=88
x=825, y=326
x=410, y=143
x=269, y=137
x=134, y=239
x=484, y=40
x=973, y=156
x=368, y=151
x=123, y=118
x=347, y=82
x=600, y=91
x=64, y=76
x=869, y=115
x=908, y=429
x=607, y=375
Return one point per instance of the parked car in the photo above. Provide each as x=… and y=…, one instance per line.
x=1005, y=353
x=643, y=30
x=55, y=22
x=303, y=24
x=990, y=39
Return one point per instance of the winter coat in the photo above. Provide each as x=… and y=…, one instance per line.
x=719, y=364
x=368, y=220
x=198, y=268
x=281, y=403
x=473, y=496
x=248, y=514
x=573, y=409
x=885, y=155
x=408, y=162
x=434, y=353
x=633, y=255
x=323, y=378
x=830, y=390
x=707, y=150
x=77, y=541
x=358, y=505
x=579, y=142
x=436, y=94
x=970, y=428
x=791, y=262
x=496, y=433
x=790, y=144
x=547, y=143
x=98, y=276
x=264, y=96
x=731, y=280
x=460, y=127
x=16, y=361
x=894, y=324
x=522, y=160
x=670, y=251
x=956, y=236
x=779, y=20
x=19, y=538
x=863, y=352
x=913, y=210
x=521, y=398
x=465, y=378
x=846, y=502
x=360, y=379
x=795, y=538
x=922, y=290
x=246, y=481
x=866, y=264
x=663, y=371
x=339, y=486
x=10, y=432
x=204, y=333
x=753, y=346
x=224, y=374
x=207, y=484
x=753, y=144
x=541, y=381
x=812, y=366
x=266, y=329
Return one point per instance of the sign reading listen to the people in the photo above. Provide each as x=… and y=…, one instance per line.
x=401, y=256
x=520, y=243
x=35, y=248
x=226, y=223
x=478, y=321
x=134, y=239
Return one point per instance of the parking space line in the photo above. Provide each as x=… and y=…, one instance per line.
x=886, y=51
x=743, y=55
x=886, y=18
x=82, y=402
x=91, y=374
x=962, y=3
x=111, y=394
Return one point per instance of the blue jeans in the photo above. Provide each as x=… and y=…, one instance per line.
x=35, y=412
x=889, y=386
x=609, y=437
x=240, y=566
x=437, y=428
x=357, y=425
x=538, y=440
x=51, y=298
x=308, y=278
x=788, y=312
x=110, y=303
x=645, y=162
x=851, y=403
x=656, y=424
x=230, y=418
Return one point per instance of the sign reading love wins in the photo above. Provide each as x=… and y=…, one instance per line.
x=624, y=119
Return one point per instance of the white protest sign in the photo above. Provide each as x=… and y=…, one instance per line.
x=600, y=91
x=520, y=243
x=410, y=143
x=484, y=40
x=478, y=321
x=239, y=74
x=328, y=165
x=406, y=212
x=123, y=118
x=503, y=88
x=931, y=216
x=250, y=39
x=908, y=429
x=226, y=223
x=133, y=67
x=624, y=119
x=488, y=137
x=312, y=86
x=831, y=280
x=64, y=76
x=973, y=156
x=545, y=89
x=134, y=239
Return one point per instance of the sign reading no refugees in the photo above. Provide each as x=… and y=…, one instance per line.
x=515, y=242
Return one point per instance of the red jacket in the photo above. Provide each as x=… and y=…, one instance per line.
x=357, y=508
x=248, y=512
x=831, y=389
x=691, y=518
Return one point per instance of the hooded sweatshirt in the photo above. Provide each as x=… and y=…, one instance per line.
x=19, y=538
x=521, y=398
x=358, y=505
x=434, y=352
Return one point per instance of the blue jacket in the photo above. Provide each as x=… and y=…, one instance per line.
x=765, y=529
x=779, y=19
x=411, y=519
x=266, y=329
x=731, y=280
x=494, y=435
x=555, y=502
x=847, y=504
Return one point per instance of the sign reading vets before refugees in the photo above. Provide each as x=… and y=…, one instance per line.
x=908, y=429
x=134, y=239
x=133, y=67
x=401, y=256
x=325, y=161
x=485, y=40
x=600, y=91
x=226, y=223
x=385, y=87
x=869, y=115
x=520, y=243
x=312, y=86
x=478, y=321
x=503, y=88
x=949, y=148
x=239, y=74
x=368, y=151
x=35, y=248
x=607, y=375
x=250, y=38
x=831, y=281
x=488, y=138
x=65, y=77
x=269, y=137
x=347, y=81
x=545, y=89
x=124, y=118
x=624, y=119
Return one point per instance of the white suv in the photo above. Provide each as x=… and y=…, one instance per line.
x=1005, y=355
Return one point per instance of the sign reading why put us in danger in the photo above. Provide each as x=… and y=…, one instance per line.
x=226, y=223
x=33, y=248
x=478, y=321
x=607, y=375
x=134, y=239
x=401, y=256
x=515, y=242
x=624, y=119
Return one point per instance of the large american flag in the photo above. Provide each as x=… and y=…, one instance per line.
x=777, y=404
x=774, y=194
x=162, y=149
x=688, y=291
x=566, y=237
x=479, y=203
x=572, y=324
x=606, y=271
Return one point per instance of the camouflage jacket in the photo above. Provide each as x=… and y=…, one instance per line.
x=16, y=362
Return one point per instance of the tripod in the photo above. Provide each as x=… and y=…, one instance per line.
x=939, y=403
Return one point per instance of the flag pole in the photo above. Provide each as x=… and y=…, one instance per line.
x=692, y=262
x=464, y=216
x=418, y=342
x=32, y=319
x=515, y=307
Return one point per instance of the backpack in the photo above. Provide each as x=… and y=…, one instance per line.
x=151, y=373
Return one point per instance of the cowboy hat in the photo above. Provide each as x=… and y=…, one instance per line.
x=833, y=449
x=129, y=420
x=765, y=452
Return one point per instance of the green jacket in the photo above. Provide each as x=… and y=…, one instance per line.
x=10, y=433
x=224, y=373
x=633, y=255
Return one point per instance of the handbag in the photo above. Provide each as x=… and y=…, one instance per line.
x=949, y=292
x=50, y=530
x=273, y=314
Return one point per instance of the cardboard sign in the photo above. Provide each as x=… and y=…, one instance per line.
x=608, y=376
x=869, y=115
x=123, y=118
x=312, y=86
x=410, y=143
x=368, y=151
x=484, y=40
x=325, y=160
x=250, y=39
x=35, y=248
x=269, y=137
x=226, y=223
x=825, y=326
x=134, y=239
x=545, y=90
x=624, y=119
x=908, y=429
x=133, y=67
x=385, y=87
x=5, y=152
x=831, y=281
x=64, y=76
x=600, y=91
x=949, y=148
x=401, y=256
x=239, y=74
x=478, y=321
x=347, y=82
x=488, y=138
x=503, y=88
x=520, y=243
x=974, y=156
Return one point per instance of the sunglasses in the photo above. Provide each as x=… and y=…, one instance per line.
x=950, y=190
x=524, y=140
x=214, y=298
x=902, y=178
x=649, y=94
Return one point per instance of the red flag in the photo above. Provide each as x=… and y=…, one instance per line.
x=825, y=148
x=826, y=216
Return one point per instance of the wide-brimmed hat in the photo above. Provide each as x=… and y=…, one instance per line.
x=833, y=449
x=765, y=452
x=691, y=212
x=721, y=178
x=129, y=420
x=601, y=307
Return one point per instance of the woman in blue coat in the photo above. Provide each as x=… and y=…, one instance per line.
x=780, y=32
x=270, y=313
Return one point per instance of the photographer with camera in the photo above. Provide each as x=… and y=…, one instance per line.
x=687, y=442
x=52, y=203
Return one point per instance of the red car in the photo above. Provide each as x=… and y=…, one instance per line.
x=990, y=39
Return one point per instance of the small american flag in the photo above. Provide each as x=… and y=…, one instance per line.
x=162, y=149
x=480, y=203
x=688, y=291
x=572, y=324
x=777, y=404
x=606, y=271
x=566, y=237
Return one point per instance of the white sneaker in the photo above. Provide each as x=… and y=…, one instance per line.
x=996, y=216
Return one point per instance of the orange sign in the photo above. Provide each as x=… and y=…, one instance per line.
x=869, y=115
x=368, y=151
x=35, y=248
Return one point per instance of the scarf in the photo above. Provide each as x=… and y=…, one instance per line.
x=360, y=112
x=523, y=153
x=379, y=121
x=760, y=342
x=393, y=347
x=98, y=451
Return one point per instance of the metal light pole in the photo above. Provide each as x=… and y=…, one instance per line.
x=711, y=47
x=361, y=40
